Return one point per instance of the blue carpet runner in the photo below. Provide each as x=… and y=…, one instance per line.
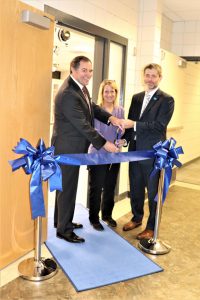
x=105, y=257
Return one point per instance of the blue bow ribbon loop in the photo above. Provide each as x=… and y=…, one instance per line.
x=166, y=157
x=41, y=164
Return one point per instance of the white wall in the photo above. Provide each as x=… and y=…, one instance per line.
x=181, y=38
x=149, y=36
x=166, y=33
x=184, y=85
x=186, y=38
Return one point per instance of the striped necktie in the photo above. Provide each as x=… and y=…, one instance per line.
x=146, y=100
x=86, y=96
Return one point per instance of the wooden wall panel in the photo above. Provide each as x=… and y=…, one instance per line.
x=25, y=91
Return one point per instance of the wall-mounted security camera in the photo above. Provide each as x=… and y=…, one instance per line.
x=63, y=35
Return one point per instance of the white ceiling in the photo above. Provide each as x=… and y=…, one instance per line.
x=180, y=10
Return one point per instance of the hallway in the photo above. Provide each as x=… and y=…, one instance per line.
x=180, y=278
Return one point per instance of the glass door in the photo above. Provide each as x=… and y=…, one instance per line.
x=115, y=69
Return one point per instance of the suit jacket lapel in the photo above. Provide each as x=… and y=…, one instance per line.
x=75, y=87
x=80, y=93
x=139, y=106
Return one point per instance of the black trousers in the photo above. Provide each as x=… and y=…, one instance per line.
x=139, y=175
x=102, y=183
x=65, y=200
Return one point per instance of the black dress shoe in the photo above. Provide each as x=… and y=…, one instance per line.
x=77, y=225
x=97, y=226
x=110, y=221
x=70, y=237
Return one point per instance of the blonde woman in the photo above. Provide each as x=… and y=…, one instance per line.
x=103, y=178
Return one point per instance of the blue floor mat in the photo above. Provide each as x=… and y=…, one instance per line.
x=105, y=257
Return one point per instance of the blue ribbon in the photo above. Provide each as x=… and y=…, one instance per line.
x=43, y=165
x=40, y=163
x=103, y=158
x=166, y=156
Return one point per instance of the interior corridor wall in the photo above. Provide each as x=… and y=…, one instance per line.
x=184, y=85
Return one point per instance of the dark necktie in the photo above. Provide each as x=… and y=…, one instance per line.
x=86, y=95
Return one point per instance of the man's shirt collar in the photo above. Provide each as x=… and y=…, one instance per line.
x=78, y=83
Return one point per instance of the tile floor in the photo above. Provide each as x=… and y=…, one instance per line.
x=180, y=279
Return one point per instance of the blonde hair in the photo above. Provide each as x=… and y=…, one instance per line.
x=111, y=83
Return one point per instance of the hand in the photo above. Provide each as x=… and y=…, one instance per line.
x=128, y=123
x=117, y=122
x=120, y=143
x=110, y=147
x=120, y=132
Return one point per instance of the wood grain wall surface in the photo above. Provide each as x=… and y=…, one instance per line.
x=25, y=91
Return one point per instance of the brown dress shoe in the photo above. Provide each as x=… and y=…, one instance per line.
x=131, y=225
x=146, y=234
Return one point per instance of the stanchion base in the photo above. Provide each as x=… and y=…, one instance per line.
x=33, y=270
x=154, y=247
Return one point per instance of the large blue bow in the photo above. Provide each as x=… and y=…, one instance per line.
x=166, y=156
x=40, y=163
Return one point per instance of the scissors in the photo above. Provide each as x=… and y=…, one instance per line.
x=118, y=137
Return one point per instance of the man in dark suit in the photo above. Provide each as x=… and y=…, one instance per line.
x=73, y=133
x=151, y=112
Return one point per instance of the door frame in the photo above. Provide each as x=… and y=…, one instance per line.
x=103, y=38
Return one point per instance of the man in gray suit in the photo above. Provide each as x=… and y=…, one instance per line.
x=151, y=111
x=73, y=133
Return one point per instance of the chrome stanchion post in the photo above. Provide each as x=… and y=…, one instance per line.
x=37, y=268
x=38, y=236
x=159, y=205
x=154, y=245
